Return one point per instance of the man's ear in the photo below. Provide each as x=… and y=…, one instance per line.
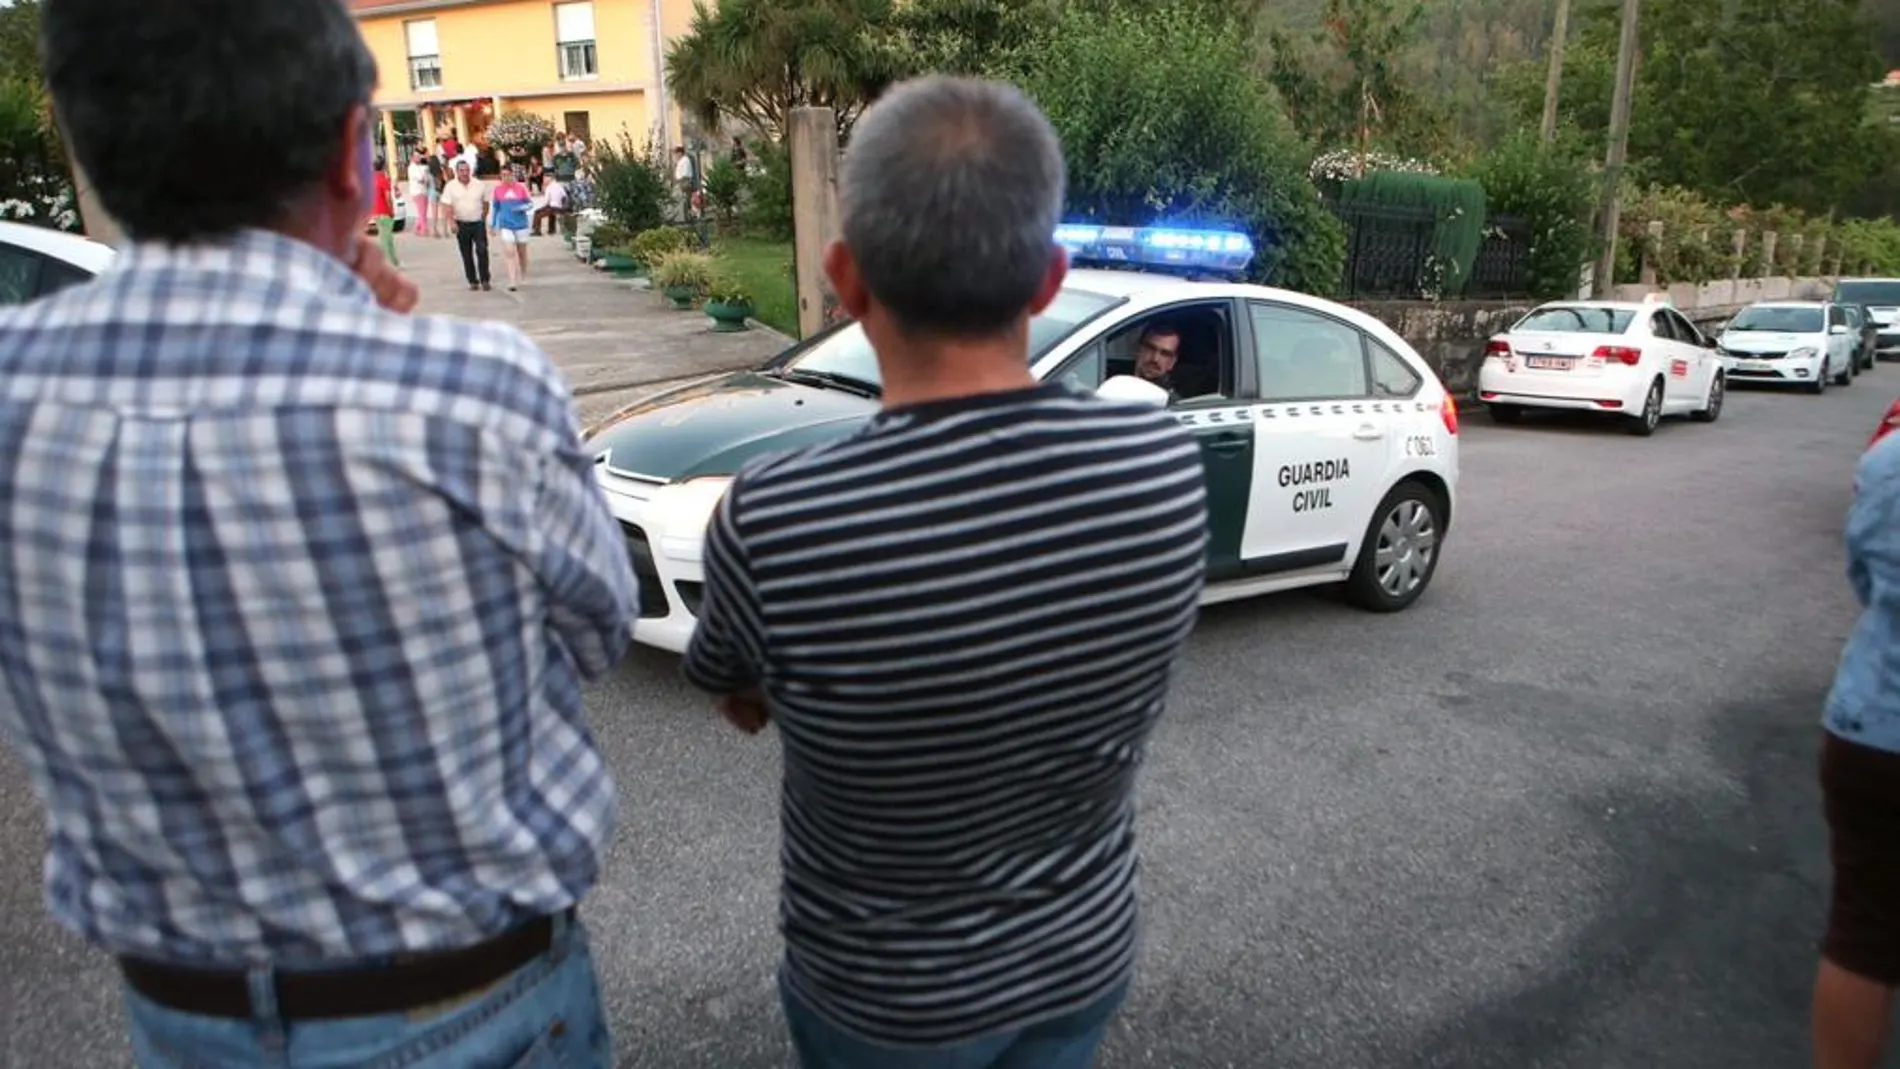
x=841, y=269
x=354, y=174
x=1052, y=279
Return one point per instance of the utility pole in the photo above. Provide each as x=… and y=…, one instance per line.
x=1612, y=213
x=1554, y=80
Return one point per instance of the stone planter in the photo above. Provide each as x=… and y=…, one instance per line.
x=584, y=249
x=681, y=297
x=621, y=265
x=729, y=317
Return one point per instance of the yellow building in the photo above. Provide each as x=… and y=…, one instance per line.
x=594, y=68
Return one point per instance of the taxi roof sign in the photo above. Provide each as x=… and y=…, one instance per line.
x=1658, y=298
x=1158, y=248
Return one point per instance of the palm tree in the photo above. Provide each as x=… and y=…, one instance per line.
x=753, y=61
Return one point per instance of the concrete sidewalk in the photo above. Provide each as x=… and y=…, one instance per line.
x=604, y=333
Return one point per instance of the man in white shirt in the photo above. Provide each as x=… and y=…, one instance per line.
x=684, y=178
x=556, y=204
x=466, y=199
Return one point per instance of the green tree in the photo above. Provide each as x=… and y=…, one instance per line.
x=1746, y=101
x=973, y=37
x=1347, y=84
x=1163, y=118
x=753, y=61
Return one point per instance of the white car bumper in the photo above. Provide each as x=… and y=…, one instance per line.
x=1743, y=368
x=1614, y=388
x=667, y=564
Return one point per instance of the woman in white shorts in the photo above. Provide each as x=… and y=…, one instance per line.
x=514, y=207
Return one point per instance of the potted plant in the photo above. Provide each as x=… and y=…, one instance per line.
x=682, y=277
x=652, y=246
x=620, y=260
x=607, y=237
x=728, y=304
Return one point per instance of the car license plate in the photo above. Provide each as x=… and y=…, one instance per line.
x=1757, y=365
x=1549, y=363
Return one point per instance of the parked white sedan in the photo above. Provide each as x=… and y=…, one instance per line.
x=37, y=262
x=1640, y=361
x=1805, y=343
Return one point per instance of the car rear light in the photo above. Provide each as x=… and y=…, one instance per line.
x=1888, y=424
x=1449, y=413
x=1497, y=347
x=1621, y=354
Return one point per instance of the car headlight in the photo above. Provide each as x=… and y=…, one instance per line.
x=1804, y=353
x=684, y=510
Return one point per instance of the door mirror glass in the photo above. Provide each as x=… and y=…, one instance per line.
x=1133, y=389
x=1838, y=328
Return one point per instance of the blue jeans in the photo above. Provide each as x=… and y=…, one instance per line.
x=1067, y=1042
x=545, y=1015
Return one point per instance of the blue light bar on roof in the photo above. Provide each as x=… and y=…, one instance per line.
x=1222, y=251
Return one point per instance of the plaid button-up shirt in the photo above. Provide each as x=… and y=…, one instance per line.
x=296, y=596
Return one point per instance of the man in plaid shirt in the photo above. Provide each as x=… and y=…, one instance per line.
x=297, y=592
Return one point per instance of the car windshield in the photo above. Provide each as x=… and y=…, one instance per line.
x=1570, y=319
x=847, y=353
x=1783, y=320
x=1882, y=293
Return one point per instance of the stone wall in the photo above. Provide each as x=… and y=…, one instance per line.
x=1450, y=335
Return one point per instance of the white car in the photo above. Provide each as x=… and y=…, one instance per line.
x=1881, y=298
x=1331, y=447
x=36, y=261
x=1637, y=360
x=1807, y=343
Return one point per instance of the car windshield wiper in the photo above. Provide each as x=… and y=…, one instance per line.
x=831, y=380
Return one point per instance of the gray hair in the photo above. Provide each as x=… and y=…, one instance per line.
x=949, y=193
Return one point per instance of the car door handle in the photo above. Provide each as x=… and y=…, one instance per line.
x=1371, y=432
x=1228, y=443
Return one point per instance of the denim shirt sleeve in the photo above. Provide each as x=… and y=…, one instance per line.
x=1864, y=706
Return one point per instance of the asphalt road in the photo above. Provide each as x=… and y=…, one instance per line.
x=1561, y=813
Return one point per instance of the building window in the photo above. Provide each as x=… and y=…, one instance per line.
x=574, y=40
x=425, y=54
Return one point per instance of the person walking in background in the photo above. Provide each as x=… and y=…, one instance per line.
x=383, y=210
x=685, y=178
x=513, y=204
x=422, y=194
x=301, y=591
x=991, y=582
x=1860, y=788
x=465, y=199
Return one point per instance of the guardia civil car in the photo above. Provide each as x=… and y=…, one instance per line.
x=1331, y=447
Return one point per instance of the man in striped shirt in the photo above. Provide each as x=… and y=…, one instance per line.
x=963, y=621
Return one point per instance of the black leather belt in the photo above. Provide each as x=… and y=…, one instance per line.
x=407, y=982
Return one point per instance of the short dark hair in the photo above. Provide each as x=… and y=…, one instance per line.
x=1160, y=328
x=168, y=106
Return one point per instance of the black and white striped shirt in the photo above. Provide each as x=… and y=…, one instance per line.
x=964, y=618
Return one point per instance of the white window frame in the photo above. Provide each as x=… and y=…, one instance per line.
x=576, y=53
x=425, y=61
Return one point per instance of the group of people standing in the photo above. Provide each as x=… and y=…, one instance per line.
x=449, y=199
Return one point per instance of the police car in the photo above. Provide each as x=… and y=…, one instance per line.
x=1639, y=360
x=1331, y=447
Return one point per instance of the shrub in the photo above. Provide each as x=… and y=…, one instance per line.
x=768, y=194
x=652, y=246
x=725, y=188
x=630, y=184
x=690, y=269
x=34, y=187
x=611, y=236
x=724, y=289
x=1456, y=203
x=1552, y=192
x=1869, y=247
x=1192, y=139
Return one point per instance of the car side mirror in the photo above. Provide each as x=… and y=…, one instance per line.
x=1133, y=388
x=1837, y=329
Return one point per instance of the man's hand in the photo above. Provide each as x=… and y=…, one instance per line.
x=745, y=710
x=393, y=289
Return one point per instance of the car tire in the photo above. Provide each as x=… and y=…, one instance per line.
x=1819, y=385
x=1505, y=413
x=1718, y=393
x=1846, y=376
x=1644, y=423
x=1393, y=568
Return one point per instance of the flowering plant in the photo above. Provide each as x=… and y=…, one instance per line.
x=1343, y=164
x=521, y=130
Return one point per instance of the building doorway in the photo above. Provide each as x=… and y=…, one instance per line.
x=576, y=124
